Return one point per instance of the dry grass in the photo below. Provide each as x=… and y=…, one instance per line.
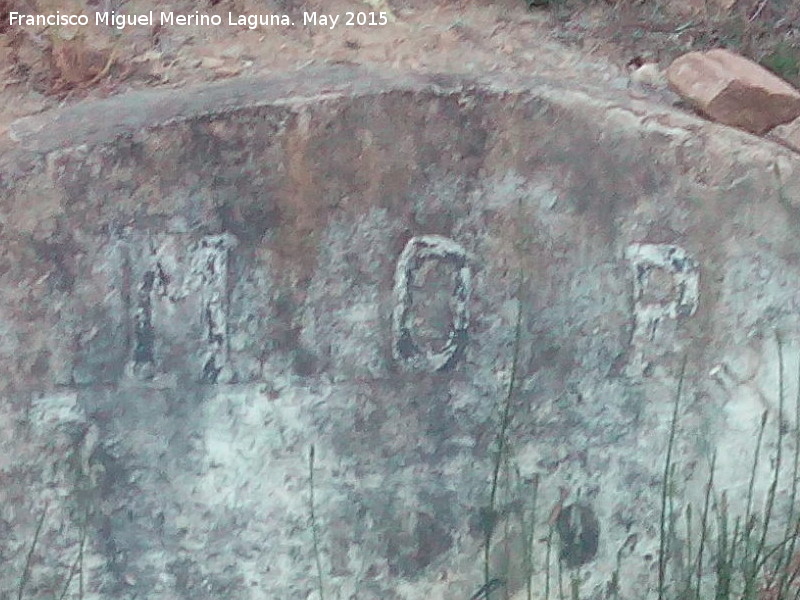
x=766, y=31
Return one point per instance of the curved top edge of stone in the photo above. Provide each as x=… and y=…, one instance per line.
x=97, y=122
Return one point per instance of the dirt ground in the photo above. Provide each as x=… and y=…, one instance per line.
x=42, y=67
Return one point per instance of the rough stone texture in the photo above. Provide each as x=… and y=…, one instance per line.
x=195, y=292
x=788, y=134
x=734, y=90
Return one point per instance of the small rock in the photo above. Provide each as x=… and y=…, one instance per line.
x=648, y=74
x=211, y=62
x=647, y=82
x=733, y=90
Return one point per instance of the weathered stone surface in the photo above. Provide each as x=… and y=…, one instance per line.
x=734, y=90
x=194, y=293
x=788, y=134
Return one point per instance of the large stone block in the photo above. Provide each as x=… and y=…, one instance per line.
x=407, y=274
x=734, y=90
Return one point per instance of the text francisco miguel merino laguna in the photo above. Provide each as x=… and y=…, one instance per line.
x=112, y=19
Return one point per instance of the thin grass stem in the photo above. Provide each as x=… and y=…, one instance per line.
x=662, y=542
x=722, y=561
x=505, y=421
x=575, y=586
x=528, y=525
x=689, y=559
x=314, y=532
x=757, y=559
x=792, y=523
x=704, y=522
x=548, y=547
x=77, y=565
x=748, y=513
x=26, y=571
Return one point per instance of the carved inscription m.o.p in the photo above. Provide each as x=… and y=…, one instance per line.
x=666, y=288
x=179, y=309
x=666, y=281
x=432, y=286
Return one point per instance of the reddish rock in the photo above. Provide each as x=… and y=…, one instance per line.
x=733, y=90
